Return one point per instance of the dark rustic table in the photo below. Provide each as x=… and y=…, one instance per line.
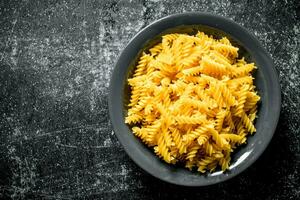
x=56, y=140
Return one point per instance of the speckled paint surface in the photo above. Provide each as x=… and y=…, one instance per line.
x=56, y=140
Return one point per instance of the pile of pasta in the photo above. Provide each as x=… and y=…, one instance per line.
x=193, y=100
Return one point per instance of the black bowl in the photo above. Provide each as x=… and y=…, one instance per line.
x=266, y=81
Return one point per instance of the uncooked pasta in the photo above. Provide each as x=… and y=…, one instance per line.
x=193, y=100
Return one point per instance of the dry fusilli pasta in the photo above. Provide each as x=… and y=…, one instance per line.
x=193, y=100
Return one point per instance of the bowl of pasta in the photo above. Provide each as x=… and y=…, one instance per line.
x=194, y=99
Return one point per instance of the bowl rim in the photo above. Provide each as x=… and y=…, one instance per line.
x=218, y=19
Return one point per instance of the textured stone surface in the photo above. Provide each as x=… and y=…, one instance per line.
x=56, y=141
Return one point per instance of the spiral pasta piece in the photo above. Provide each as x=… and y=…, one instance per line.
x=141, y=67
x=217, y=94
x=190, y=120
x=178, y=141
x=156, y=49
x=226, y=50
x=248, y=123
x=242, y=96
x=212, y=68
x=193, y=71
x=202, y=130
x=152, y=131
x=220, y=119
x=227, y=96
x=162, y=149
x=192, y=152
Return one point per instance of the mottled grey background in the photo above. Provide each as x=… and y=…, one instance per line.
x=56, y=58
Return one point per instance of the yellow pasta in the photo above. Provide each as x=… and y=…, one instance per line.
x=193, y=100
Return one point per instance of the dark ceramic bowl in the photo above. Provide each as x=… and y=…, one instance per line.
x=266, y=81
